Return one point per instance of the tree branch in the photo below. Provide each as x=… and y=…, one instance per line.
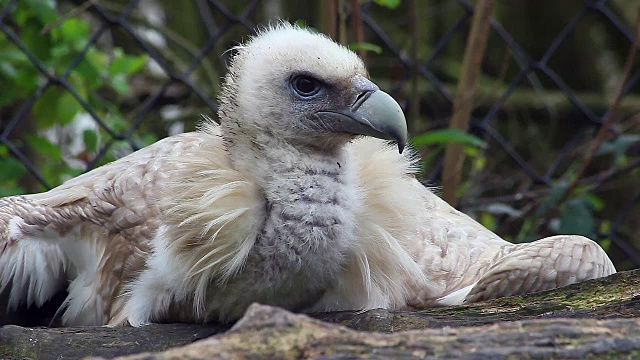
x=463, y=103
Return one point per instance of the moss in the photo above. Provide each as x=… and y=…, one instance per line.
x=586, y=295
x=18, y=351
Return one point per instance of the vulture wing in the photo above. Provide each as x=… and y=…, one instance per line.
x=462, y=260
x=93, y=230
x=475, y=264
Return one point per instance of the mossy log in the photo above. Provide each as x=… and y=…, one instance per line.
x=599, y=318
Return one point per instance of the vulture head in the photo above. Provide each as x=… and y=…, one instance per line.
x=301, y=87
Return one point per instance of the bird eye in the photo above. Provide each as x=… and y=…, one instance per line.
x=305, y=86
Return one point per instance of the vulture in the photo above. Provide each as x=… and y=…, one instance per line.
x=301, y=198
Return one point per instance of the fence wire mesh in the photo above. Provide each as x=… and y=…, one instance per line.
x=180, y=79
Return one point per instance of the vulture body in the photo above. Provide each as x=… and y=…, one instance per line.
x=297, y=199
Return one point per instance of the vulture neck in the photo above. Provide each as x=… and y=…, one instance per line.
x=310, y=202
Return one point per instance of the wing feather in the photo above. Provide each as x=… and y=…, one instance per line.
x=93, y=230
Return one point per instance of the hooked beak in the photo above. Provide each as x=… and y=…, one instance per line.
x=374, y=113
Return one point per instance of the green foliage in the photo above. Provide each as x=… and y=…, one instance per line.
x=391, y=4
x=567, y=214
x=365, y=47
x=56, y=42
x=553, y=198
x=44, y=146
x=436, y=141
x=574, y=213
x=90, y=140
x=56, y=106
x=446, y=136
x=577, y=218
x=11, y=171
x=121, y=67
x=618, y=147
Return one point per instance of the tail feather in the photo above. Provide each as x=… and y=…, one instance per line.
x=456, y=297
x=33, y=271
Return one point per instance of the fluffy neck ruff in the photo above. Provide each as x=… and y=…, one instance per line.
x=310, y=204
x=274, y=224
x=308, y=227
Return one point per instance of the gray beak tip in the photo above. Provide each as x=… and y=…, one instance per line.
x=385, y=116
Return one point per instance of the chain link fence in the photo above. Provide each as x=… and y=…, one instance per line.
x=123, y=74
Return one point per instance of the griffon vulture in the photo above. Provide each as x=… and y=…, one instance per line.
x=298, y=199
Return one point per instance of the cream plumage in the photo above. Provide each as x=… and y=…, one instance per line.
x=285, y=203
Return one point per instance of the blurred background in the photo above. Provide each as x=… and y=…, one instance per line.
x=551, y=146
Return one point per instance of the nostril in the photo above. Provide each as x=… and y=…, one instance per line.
x=361, y=95
x=360, y=99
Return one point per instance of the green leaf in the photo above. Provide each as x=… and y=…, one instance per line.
x=121, y=67
x=59, y=50
x=45, y=109
x=553, y=198
x=89, y=73
x=120, y=84
x=10, y=190
x=28, y=80
x=596, y=203
x=116, y=121
x=43, y=10
x=11, y=54
x=75, y=32
x=90, y=139
x=605, y=244
x=391, y=4
x=56, y=106
x=577, y=219
x=11, y=169
x=488, y=220
x=45, y=147
x=67, y=108
x=145, y=139
x=445, y=136
x=365, y=46
x=8, y=70
x=37, y=43
x=98, y=59
x=126, y=64
x=618, y=146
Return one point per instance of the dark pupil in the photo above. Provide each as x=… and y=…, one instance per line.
x=305, y=85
